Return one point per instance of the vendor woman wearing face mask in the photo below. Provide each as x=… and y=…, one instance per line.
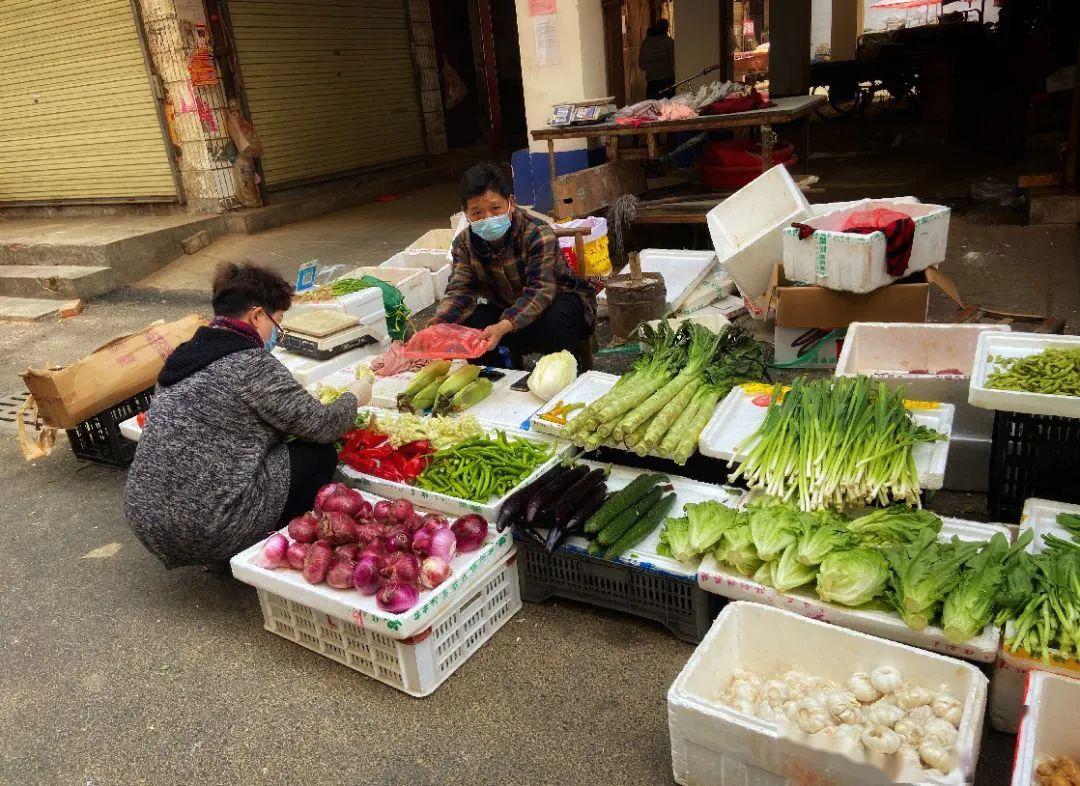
x=532, y=301
x=213, y=472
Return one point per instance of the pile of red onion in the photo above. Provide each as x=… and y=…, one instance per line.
x=387, y=550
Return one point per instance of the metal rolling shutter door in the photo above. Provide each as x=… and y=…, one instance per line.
x=330, y=84
x=78, y=118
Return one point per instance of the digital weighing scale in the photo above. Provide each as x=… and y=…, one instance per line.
x=323, y=333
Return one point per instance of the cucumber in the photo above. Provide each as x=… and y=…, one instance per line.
x=646, y=524
x=631, y=493
x=625, y=520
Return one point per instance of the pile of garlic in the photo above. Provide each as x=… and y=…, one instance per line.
x=876, y=712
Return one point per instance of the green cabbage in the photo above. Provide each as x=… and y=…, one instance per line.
x=852, y=578
x=552, y=373
x=708, y=520
x=774, y=529
x=823, y=539
x=788, y=573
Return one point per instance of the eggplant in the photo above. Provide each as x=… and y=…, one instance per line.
x=530, y=534
x=550, y=494
x=557, y=535
x=513, y=509
x=568, y=502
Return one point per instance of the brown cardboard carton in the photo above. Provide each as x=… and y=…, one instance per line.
x=115, y=372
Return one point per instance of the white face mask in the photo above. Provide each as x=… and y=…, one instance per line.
x=491, y=228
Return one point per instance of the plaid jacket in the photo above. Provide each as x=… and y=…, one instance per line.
x=523, y=274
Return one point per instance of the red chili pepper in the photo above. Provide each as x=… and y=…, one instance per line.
x=141, y=419
x=415, y=466
x=419, y=447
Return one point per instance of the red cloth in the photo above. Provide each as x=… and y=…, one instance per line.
x=899, y=231
x=727, y=106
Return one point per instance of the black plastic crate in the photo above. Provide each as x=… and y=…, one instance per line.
x=680, y=605
x=698, y=467
x=98, y=438
x=1032, y=456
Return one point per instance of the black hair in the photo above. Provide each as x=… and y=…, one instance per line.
x=483, y=177
x=238, y=288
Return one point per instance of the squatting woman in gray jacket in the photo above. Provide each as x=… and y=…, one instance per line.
x=213, y=473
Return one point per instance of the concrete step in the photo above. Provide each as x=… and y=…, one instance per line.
x=32, y=309
x=65, y=282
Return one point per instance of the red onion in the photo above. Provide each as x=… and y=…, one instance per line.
x=397, y=598
x=363, y=507
x=338, y=498
x=274, y=551
x=365, y=533
x=398, y=539
x=471, y=531
x=377, y=548
x=421, y=542
x=443, y=544
x=296, y=554
x=348, y=551
x=434, y=572
x=402, y=568
x=317, y=562
x=381, y=510
x=338, y=528
x=413, y=523
x=304, y=529
x=340, y=575
x=367, y=577
x=400, y=510
x=434, y=521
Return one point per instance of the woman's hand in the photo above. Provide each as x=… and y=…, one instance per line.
x=494, y=333
x=360, y=388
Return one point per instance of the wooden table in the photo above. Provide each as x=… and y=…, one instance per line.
x=785, y=110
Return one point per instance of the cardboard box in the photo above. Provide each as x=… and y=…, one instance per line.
x=113, y=373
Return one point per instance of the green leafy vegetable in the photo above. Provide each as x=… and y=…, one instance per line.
x=675, y=540
x=789, y=573
x=925, y=572
x=852, y=578
x=764, y=574
x=894, y=525
x=823, y=539
x=708, y=521
x=737, y=547
x=970, y=606
x=774, y=529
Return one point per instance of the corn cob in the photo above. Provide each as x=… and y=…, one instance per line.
x=473, y=393
x=453, y=384
x=424, y=377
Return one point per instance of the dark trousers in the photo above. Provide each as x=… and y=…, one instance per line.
x=311, y=466
x=654, y=87
x=562, y=326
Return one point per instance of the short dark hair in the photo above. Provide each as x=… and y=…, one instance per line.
x=662, y=26
x=483, y=177
x=240, y=287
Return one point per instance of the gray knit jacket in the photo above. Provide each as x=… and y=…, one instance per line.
x=211, y=472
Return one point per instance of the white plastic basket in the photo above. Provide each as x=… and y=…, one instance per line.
x=415, y=285
x=1012, y=668
x=1019, y=345
x=983, y=648
x=1049, y=729
x=417, y=665
x=856, y=263
x=712, y=743
x=435, y=262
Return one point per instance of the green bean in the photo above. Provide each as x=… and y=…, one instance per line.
x=1053, y=371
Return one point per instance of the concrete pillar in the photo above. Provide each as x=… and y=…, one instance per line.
x=197, y=115
x=578, y=75
x=846, y=26
x=789, y=50
x=697, y=44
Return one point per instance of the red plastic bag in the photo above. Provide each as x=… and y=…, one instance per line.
x=878, y=218
x=446, y=341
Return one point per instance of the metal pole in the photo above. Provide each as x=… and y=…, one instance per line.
x=487, y=43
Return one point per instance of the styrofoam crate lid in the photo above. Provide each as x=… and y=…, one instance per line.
x=644, y=555
x=445, y=503
x=1048, y=729
x=682, y=271
x=362, y=609
x=769, y=641
x=738, y=417
x=1019, y=345
x=726, y=581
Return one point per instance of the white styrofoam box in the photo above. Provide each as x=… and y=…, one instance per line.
x=713, y=743
x=433, y=240
x=746, y=230
x=362, y=609
x=131, y=429
x=420, y=664
x=726, y=581
x=738, y=417
x=849, y=262
x=1049, y=728
x=375, y=324
x=415, y=285
x=644, y=555
x=891, y=352
x=682, y=270
x=1019, y=345
x=729, y=307
x=455, y=505
x=821, y=208
x=360, y=304
x=308, y=370
x=716, y=286
x=433, y=261
x=1012, y=668
x=969, y=458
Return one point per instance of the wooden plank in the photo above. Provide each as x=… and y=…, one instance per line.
x=1043, y=180
x=580, y=193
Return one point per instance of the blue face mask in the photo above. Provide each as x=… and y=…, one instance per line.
x=275, y=336
x=493, y=228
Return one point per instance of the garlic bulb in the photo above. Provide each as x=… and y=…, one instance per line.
x=881, y=713
x=880, y=739
x=775, y=692
x=812, y=716
x=909, y=730
x=791, y=711
x=798, y=685
x=844, y=706
x=743, y=691
x=886, y=679
x=948, y=707
x=765, y=711
x=935, y=755
x=911, y=696
x=940, y=730
x=864, y=690
x=907, y=756
x=745, y=707
x=921, y=714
